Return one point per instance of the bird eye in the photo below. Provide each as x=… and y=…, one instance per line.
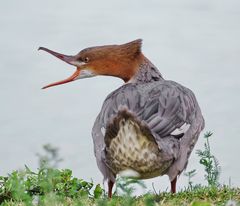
x=86, y=59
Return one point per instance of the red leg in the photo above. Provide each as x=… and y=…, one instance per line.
x=173, y=185
x=110, y=186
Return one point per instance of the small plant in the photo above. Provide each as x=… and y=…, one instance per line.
x=190, y=175
x=48, y=182
x=210, y=163
x=25, y=185
x=125, y=185
x=51, y=157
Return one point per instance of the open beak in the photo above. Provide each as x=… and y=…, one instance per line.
x=68, y=59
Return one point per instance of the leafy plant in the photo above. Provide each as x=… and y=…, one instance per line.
x=24, y=185
x=190, y=175
x=51, y=187
x=210, y=163
x=125, y=185
x=50, y=158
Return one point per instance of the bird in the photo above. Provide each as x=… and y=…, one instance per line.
x=147, y=127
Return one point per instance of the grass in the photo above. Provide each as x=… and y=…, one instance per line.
x=50, y=186
x=60, y=188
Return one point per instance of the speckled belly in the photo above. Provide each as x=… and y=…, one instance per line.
x=132, y=150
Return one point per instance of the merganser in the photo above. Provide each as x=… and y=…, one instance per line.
x=147, y=127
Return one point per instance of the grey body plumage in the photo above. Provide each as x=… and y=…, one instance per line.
x=157, y=107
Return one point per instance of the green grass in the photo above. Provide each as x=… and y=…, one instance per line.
x=58, y=187
x=50, y=186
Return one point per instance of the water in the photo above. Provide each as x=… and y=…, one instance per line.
x=194, y=43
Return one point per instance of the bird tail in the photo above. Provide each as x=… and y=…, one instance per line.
x=120, y=120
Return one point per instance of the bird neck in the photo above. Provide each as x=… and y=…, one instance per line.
x=146, y=72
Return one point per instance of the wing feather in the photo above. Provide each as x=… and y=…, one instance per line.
x=164, y=106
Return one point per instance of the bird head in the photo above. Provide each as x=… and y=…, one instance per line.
x=112, y=60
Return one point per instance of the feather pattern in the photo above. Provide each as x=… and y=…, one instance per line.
x=163, y=106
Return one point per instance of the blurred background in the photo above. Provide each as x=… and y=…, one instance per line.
x=195, y=43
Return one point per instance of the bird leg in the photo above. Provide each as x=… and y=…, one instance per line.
x=173, y=185
x=110, y=186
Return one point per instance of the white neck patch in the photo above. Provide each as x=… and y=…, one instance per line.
x=85, y=74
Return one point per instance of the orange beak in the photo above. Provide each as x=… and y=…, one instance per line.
x=68, y=59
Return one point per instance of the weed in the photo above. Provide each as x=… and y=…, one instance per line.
x=25, y=185
x=210, y=162
x=190, y=175
x=50, y=158
x=125, y=185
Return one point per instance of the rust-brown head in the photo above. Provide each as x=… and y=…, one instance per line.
x=112, y=60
